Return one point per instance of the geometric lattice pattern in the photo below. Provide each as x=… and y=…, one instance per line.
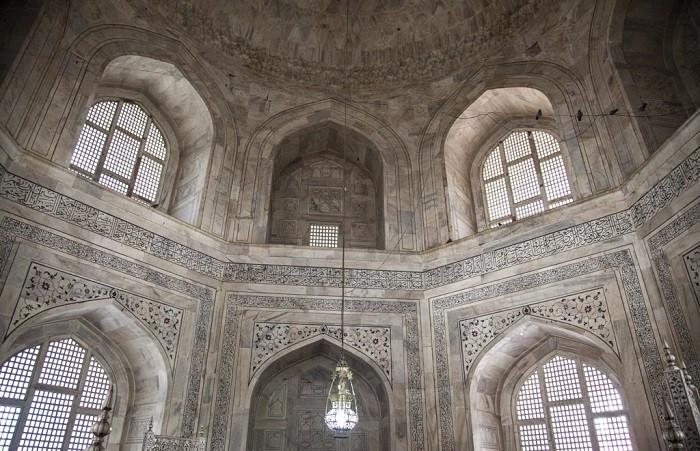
x=62, y=364
x=323, y=235
x=41, y=386
x=565, y=404
x=523, y=176
x=121, y=148
x=16, y=374
x=81, y=435
x=529, y=404
x=96, y=387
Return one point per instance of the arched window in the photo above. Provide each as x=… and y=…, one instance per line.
x=50, y=396
x=524, y=175
x=569, y=405
x=121, y=148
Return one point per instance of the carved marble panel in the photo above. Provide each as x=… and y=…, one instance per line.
x=692, y=265
x=325, y=200
x=11, y=228
x=236, y=304
x=326, y=170
x=588, y=311
x=274, y=440
x=271, y=338
x=46, y=288
x=620, y=261
x=24, y=192
x=679, y=319
x=277, y=403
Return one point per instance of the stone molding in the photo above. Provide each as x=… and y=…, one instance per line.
x=46, y=288
x=236, y=304
x=621, y=261
x=12, y=229
x=271, y=338
x=692, y=265
x=29, y=194
x=656, y=244
x=588, y=311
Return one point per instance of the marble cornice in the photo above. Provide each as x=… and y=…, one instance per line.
x=24, y=192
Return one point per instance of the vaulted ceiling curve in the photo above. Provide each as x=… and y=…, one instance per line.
x=390, y=41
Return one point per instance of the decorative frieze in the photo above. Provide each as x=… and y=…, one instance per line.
x=46, y=288
x=32, y=195
x=271, y=338
x=692, y=265
x=588, y=311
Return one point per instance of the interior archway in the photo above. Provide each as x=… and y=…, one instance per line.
x=494, y=112
x=289, y=400
x=133, y=357
x=171, y=93
x=655, y=91
x=495, y=374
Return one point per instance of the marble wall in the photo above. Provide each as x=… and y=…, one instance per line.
x=202, y=319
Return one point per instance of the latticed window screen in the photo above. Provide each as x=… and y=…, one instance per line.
x=50, y=396
x=566, y=404
x=323, y=235
x=121, y=148
x=523, y=176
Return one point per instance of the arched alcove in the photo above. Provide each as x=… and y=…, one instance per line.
x=311, y=168
x=646, y=62
x=256, y=171
x=524, y=89
x=130, y=353
x=474, y=133
x=200, y=115
x=289, y=399
x=190, y=126
x=495, y=376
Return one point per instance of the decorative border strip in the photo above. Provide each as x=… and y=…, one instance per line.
x=24, y=192
x=656, y=243
x=620, y=261
x=11, y=229
x=236, y=304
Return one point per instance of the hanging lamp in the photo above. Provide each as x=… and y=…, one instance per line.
x=341, y=405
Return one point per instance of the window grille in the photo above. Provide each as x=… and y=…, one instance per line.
x=120, y=147
x=565, y=404
x=323, y=235
x=523, y=176
x=50, y=396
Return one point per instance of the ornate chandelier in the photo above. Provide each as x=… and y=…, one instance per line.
x=341, y=405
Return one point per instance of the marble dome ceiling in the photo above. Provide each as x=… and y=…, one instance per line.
x=394, y=41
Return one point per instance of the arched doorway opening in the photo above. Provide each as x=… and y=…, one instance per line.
x=288, y=404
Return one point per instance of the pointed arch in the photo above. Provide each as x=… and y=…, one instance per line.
x=256, y=170
x=57, y=114
x=130, y=352
x=498, y=371
x=584, y=140
x=328, y=349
